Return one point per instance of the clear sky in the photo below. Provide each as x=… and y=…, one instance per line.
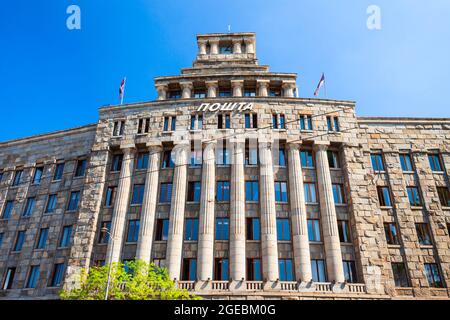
x=54, y=78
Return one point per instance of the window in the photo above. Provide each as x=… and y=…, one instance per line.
x=110, y=196
x=119, y=127
x=191, y=230
x=251, y=154
x=189, y=269
x=103, y=237
x=251, y=120
x=116, y=163
x=280, y=158
x=65, y=237
x=196, y=122
x=199, y=94
x=20, y=239
x=423, y=234
x=37, y=177
x=278, y=121
x=167, y=160
x=194, y=191
x=1, y=239
x=349, y=271
x=29, y=206
x=286, y=270
x=253, y=229
x=9, y=205
x=344, y=231
x=51, y=203
x=221, y=269
x=384, y=196
x=17, y=177
x=196, y=158
x=33, y=277
x=333, y=159
x=377, y=162
x=310, y=192
x=281, y=191
x=133, y=230
x=223, y=191
x=42, y=240
x=223, y=157
x=225, y=49
x=162, y=229
x=283, y=230
x=444, y=196
x=307, y=160
x=305, y=122
x=57, y=275
x=222, y=228
x=414, y=197
x=274, y=92
x=223, y=121
x=80, y=171
x=400, y=277
x=254, y=269
x=318, y=270
x=433, y=275
x=435, y=162
x=165, y=195
x=161, y=263
x=9, y=278
x=170, y=123
x=138, y=194
x=390, y=230
x=73, y=201
x=333, y=124
x=224, y=92
x=338, y=193
x=142, y=161
x=314, y=230
x=406, y=162
x=175, y=94
x=58, y=172
x=1, y=175
x=143, y=126
x=275, y=121
x=249, y=93
x=251, y=191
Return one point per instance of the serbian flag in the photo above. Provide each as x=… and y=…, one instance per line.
x=321, y=83
x=122, y=89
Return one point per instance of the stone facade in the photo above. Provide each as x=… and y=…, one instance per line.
x=282, y=199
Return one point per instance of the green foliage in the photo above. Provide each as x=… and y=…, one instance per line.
x=137, y=280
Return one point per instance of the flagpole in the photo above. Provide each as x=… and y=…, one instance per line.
x=324, y=86
x=123, y=91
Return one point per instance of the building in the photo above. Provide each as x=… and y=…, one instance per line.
x=238, y=186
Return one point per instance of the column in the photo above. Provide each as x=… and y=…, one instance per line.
x=162, y=91
x=288, y=88
x=212, y=88
x=205, y=256
x=201, y=47
x=120, y=208
x=250, y=46
x=263, y=88
x=175, y=238
x=300, y=239
x=144, y=245
x=328, y=214
x=214, y=45
x=237, y=49
x=186, y=89
x=237, y=87
x=237, y=212
x=268, y=213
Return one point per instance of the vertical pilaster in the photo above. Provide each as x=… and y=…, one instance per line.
x=212, y=88
x=300, y=239
x=162, y=91
x=263, y=88
x=144, y=245
x=176, y=222
x=120, y=208
x=206, y=215
x=186, y=89
x=237, y=87
x=328, y=214
x=268, y=213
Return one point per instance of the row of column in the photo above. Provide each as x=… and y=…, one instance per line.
x=237, y=86
x=205, y=254
x=237, y=46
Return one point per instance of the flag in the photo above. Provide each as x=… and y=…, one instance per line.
x=321, y=82
x=122, y=89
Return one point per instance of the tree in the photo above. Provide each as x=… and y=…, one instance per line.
x=134, y=280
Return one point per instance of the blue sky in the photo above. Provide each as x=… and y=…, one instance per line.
x=54, y=78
